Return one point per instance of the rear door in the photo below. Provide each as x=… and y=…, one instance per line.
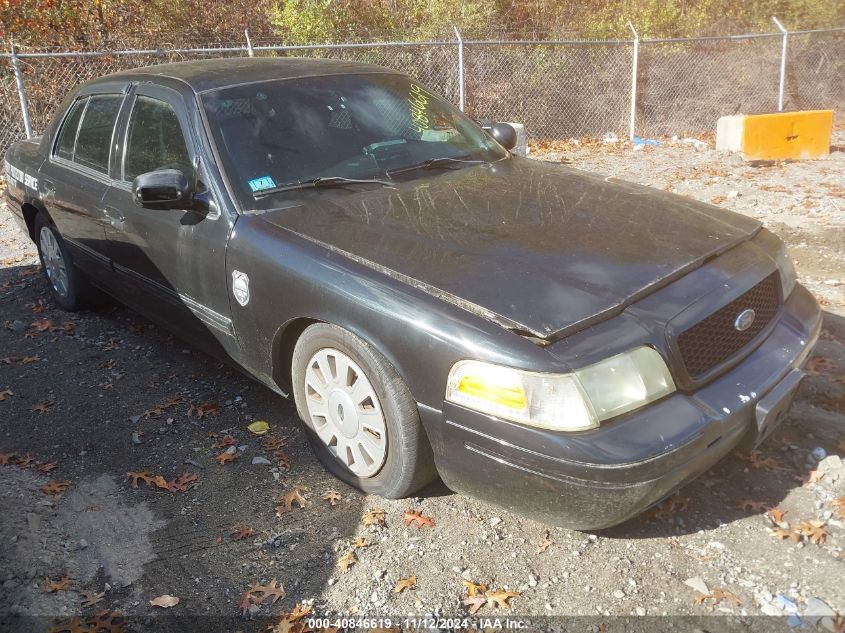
x=75, y=178
x=170, y=264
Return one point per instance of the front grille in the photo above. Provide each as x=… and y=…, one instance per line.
x=714, y=340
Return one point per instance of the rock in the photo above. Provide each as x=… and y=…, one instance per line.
x=697, y=584
x=18, y=327
x=532, y=580
x=261, y=461
x=332, y=581
x=134, y=419
x=495, y=521
x=136, y=438
x=640, y=611
x=619, y=594
x=242, y=448
x=816, y=610
x=194, y=463
x=770, y=609
x=83, y=544
x=231, y=450
x=33, y=521
x=830, y=463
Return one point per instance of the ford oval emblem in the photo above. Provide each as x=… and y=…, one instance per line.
x=744, y=320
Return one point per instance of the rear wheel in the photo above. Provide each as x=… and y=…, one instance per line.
x=69, y=287
x=362, y=421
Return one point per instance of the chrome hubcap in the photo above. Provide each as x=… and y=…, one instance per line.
x=345, y=412
x=54, y=262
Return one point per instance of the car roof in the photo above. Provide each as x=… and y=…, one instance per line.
x=209, y=74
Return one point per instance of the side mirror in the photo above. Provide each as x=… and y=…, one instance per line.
x=504, y=134
x=163, y=189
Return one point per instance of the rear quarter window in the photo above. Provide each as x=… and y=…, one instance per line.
x=93, y=141
x=67, y=135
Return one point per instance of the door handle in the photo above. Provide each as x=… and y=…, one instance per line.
x=115, y=218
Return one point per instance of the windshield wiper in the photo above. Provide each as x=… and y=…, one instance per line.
x=434, y=163
x=323, y=181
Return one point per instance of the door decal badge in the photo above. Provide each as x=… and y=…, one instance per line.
x=240, y=287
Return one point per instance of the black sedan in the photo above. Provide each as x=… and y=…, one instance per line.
x=563, y=344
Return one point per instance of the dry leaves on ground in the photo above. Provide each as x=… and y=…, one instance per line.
x=346, y=561
x=55, y=487
x=180, y=484
x=545, y=543
x=413, y=516
x=670, y=506
x=840, y=506
x=60, y=584
x=257, y=594
x=226, y=457
x=753, y=506
x=814, y=531
x=332, y=496
x=360, y=543
x=241, y=532
x=102, y=622
x=292, y=622
x=757, y=461
x=293, y=497
x=717, y=596
x=776, y=515
x=788, y=532
x=478, y=595
x=90, y=598
x=204, y=410
x=376, y=517
x=4, y=393
x=405, y=583
x=165, y=602
x=41, y=407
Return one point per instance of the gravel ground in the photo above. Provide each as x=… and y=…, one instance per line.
x=104, y=392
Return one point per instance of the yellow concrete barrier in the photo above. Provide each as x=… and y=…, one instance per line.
x=778, y=136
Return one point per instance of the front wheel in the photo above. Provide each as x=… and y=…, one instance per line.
x=362, y=421
x=69, y=287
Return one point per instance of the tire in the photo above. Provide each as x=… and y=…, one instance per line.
x=70, y=290
x=408, y=463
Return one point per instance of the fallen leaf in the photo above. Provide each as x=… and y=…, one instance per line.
x=28, y=360
x=756, y=460
x=246, y=601
x=108, y=621
x=294, y=496
x=776, y=515
x=840, y=506
x=26, y=460
x=90, y=598
x=411, y=516
x=405, y=583
x=52, y=586
x=41, y=325
x=260, y=592
x=259, y=427
x=274, y=442
x=789, y=533
x=282, y=460
x=241, y=532
x=544, y=544
x=500, y=598
x=55, y=487
x=8, y=458
x=165, y=602
x=814, y=531
x=73, y=625
x=41, y=407
x=818, y=365
x=375, y=517
x=4, y=393
x=670, y=506
x=225, y=442
x=753, y=506
x=332, y=496
x=47, y=467
x=717, y=596
x=204, y=410
x=346, y=561
x=360, y=543
x=473, y=588
x=290, y=622
x=183, y=482
x=225, y=458
x=474, y=603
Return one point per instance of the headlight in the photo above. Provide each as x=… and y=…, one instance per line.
x=787, y=270
x=562, y=402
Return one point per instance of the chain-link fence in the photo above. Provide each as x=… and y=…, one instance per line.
x=557, y=89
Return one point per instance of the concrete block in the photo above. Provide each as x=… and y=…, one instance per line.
x=777, y=136
x=729, y=130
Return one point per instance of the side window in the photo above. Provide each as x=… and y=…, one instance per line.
x=93, y=141
x=67, y=135
x=154, y=140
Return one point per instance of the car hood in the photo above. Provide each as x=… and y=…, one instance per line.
x=539, y=248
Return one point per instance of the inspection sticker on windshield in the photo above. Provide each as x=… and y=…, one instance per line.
x=259, y=184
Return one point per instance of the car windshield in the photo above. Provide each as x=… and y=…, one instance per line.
x=363, y=126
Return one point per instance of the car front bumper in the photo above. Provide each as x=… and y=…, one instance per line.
x=600, y=478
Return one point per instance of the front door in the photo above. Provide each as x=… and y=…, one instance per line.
x=170, y=264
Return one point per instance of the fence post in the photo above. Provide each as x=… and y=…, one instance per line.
x=460, y=68
x=16, y=66
x=782, y=83
x=249, y=49
x=634, y=67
